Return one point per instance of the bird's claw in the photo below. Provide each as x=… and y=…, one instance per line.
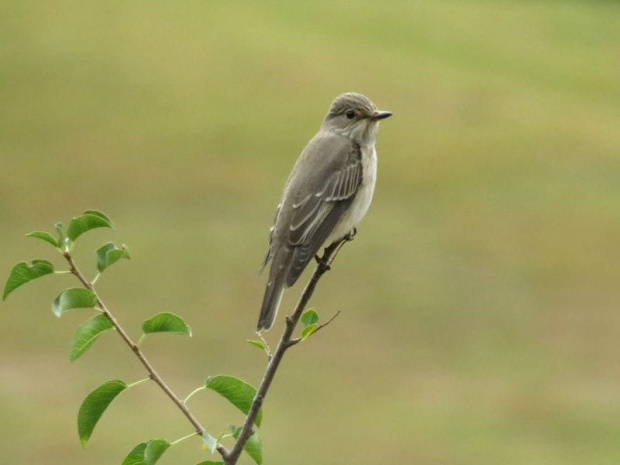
x=321, y=261
x=351, y=235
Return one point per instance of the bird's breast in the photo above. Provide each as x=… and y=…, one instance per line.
x=363, y=196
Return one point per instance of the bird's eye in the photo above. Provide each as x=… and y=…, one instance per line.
x=350, y=114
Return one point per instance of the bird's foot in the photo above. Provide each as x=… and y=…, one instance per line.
x=351, y=235
x=322, y=262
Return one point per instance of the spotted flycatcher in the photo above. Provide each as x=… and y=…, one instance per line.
x=326, y=195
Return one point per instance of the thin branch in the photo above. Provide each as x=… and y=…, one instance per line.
x=326, y=323
x=286, y=342
x=136, y=350
x=231, y=457
x=297, y=340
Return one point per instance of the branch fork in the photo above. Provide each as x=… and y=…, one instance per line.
x=286, y=341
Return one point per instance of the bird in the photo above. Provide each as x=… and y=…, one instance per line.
x=328, y=192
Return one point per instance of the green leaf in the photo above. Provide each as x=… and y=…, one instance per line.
x=23, y=272
x=309, y=317
x=210, y=441
x=136, y=455
x=101, y=215
x=155, y=448
x=258, y=344
x=308, y=330
x=69, y=299
x=238, y=392
x=109, y=254
x=47, y=237
x=166, y=323
x=147, y=453
x=87, y=334
x=91, y=219
x=254, y=448
x=62, y=238
x=94, y=405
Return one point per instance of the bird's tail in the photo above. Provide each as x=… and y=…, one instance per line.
x=271, y=302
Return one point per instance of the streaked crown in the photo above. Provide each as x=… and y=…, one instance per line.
x=354, y=116
x=351, y=101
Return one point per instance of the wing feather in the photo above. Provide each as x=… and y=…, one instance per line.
x=319, y=191
x=319, y=213
x=304, y=252
x=269, y=253
x=308, y=210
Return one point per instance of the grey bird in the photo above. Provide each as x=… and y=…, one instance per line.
x=326, y=195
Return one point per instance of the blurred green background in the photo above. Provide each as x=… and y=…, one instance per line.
x=480, y=321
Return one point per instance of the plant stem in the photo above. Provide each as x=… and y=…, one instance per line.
x=201, y=388
x=231, y=457
x=136, y=349
x=174, y=443
x=137, y=383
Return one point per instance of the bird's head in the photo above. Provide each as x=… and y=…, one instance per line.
x=355, y=116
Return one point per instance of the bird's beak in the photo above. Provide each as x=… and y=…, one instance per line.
x=378, y=115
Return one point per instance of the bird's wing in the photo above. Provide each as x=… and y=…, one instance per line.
x=326, y=197
x=269, y=253
x=312, y=211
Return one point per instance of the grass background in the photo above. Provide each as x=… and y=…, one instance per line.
x=480, y=320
